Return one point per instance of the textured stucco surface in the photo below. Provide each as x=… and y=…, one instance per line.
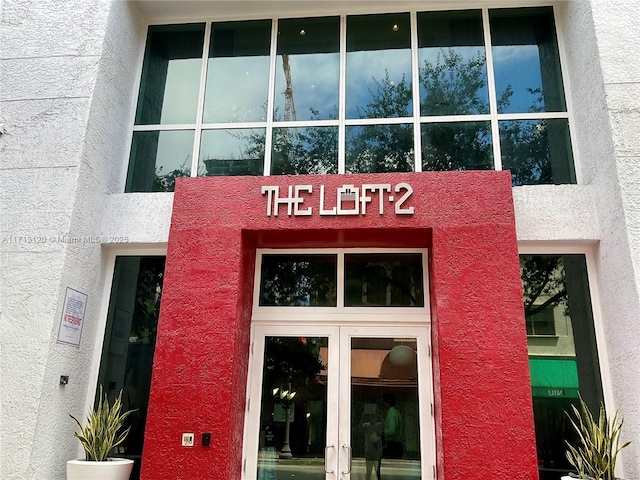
x=602, y=41
x=481, y=385
x=67, y=75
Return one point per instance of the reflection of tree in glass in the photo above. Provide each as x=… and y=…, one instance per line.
x=383, y=148
x=311, y=150
x=148, y=294
x=291, y=360
x=166, y=182
x=298, y=283
x=380, y=282
x=525, y=151
x=453, y=86
x=543, y=283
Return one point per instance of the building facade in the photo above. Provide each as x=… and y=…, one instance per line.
x=277, y=226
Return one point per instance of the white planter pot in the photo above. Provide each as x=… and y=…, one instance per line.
x=112, y=469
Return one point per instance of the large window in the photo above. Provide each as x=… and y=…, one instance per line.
x=402, y=92
x=129, y=343
x=563, y=356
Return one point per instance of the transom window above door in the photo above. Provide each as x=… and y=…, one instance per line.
x=333, y=281
x=399, y=92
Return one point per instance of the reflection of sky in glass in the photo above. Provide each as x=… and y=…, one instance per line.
x=314, y=81
x=518, y=66
x=232, y=144
x=180, y=99
x=462, y=86
x=365, y=66
x=232, y=152
x=236, y=89
x=174, y=151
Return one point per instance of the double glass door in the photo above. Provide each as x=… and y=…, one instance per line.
x=339, y=402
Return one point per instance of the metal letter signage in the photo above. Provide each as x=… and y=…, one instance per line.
x=347, y=200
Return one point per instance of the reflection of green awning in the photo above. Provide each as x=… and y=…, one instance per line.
x=554, y=377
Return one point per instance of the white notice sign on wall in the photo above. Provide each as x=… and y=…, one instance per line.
x=75, y=303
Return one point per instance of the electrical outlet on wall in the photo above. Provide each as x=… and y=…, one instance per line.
x=187, y=439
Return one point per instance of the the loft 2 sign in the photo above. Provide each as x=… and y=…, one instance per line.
x=300, y=200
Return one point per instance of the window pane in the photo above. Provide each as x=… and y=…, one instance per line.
x=293, y=410
x=384, y=403
x=157, y=159
x=379, y=148
x=456, y=146
x=379, y=66
x=170, y=75
x=298, y=280
x=129, y=343
x=383, y=280
x=307, y=69
x=238, y=72
x=232, y=152
x=526, y=61
x=453, y=73
x=537, y=151
x=298, y=151
x=563, y=364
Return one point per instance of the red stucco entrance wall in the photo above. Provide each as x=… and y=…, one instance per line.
x=483, y=406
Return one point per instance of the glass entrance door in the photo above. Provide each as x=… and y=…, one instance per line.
x=339, y=402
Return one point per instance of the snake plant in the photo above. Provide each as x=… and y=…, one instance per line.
x=102, y=432
x=595, y=453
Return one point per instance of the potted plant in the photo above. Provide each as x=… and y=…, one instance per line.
x=595, y=454
x=102, y=433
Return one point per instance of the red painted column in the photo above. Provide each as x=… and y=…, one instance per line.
x=482, y=395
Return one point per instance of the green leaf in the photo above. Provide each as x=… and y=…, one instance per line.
x=102, y=434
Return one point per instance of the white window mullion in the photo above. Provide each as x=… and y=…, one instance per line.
x=493, y=98
x=271, y=98
x=342, y=108
x=415, y=81
x=195, y=160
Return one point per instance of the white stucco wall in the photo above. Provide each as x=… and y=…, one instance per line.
x=69, y=77
x=602, y=41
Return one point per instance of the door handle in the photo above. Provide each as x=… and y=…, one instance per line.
x=325, y=459
x=348, y=449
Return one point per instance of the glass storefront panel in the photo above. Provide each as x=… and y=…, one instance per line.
x=383, y=280
x=456, y=146
x=232, y=152
x=171, y=75
x=526, y=61
x=130, y=337
x=298, y=280
x=563, y=357
x=293, y=413
x=379, y=66
x=379, y=149
x=238, y=72
x=385, y=426
x=307, y=69
x=537, y=151
x=453, y=72
x=158, y=158
x=297, y=151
